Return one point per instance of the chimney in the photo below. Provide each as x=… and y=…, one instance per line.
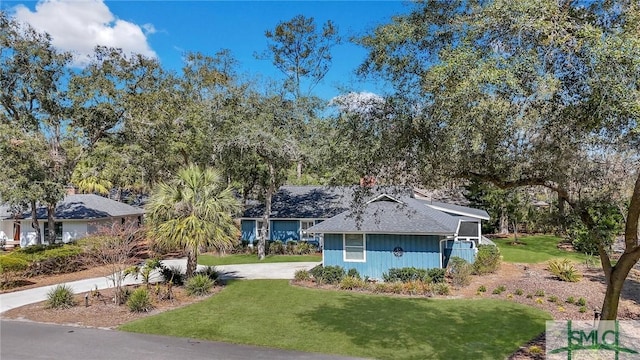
x=368, y=181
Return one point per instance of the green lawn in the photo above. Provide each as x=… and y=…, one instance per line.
x=212, y=260
x=275, y=314
x=535, y=249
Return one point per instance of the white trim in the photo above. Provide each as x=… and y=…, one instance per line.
x=344, y=248
x=383, y=196
x=388, y=233
x=457, y=212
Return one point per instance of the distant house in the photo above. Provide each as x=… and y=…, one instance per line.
x=294, y=209
x=75, y=217
x=374, y=231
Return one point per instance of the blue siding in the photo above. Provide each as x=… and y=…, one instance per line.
x=421, y=251
x=285, y=230
x=248, y=228
x=463, y=249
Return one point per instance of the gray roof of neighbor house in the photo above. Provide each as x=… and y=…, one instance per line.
x=305, y=202
x=387, y=214
x=81, y=207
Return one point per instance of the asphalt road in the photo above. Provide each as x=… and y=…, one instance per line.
x=25, y=340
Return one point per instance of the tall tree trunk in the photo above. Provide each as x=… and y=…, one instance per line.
x=616, y=275
x=192, y=261
x=504, y=222
x=267, y=212
x=51, y=211
x=34, y=222
x=299, y=169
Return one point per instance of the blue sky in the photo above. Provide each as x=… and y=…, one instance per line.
x=167, y=29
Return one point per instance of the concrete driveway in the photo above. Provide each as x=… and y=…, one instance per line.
x=245, y=271
x=25, y=340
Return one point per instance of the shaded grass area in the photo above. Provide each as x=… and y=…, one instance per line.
x=275, y=314
x=212, y=260
x=535, y=249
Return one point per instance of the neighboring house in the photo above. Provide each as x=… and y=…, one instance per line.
x=294, y=209
x=75, y=217
x=396, y=232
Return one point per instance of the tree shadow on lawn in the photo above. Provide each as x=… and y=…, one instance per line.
x=401, y=328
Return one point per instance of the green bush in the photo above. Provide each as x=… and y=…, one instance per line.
x=519, y=292
x=553, y=299
x=353, y=273
x=139, y=300
x=199, y=285
x=276, y=248
x=487, y=260
x=328, y=274
x=482, y=288
x=436, y=275
x=570, y=300
x=405, y=274
x=302, y=275
x=210, y=272
x=173, y=274
x=10, y=263
x=581, y=302
x=316, y=272
x=539, y=293
x=351, y=283
x=460, y=271
x=60, y=297
x=441, y=288
x=304, y=248
x=583, y=309
x=564, y=270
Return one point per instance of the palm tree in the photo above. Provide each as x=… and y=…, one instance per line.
x=192, y=212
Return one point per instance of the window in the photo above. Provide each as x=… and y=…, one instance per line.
x=259, y=224
x=354, y=248
x=58, y=229
x=304, y=225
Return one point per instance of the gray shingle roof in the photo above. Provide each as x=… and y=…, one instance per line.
x=305, y=202
x=82, y=207
x=410, y=216
x=457, y=209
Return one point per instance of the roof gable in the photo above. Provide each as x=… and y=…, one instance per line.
x=82, y=207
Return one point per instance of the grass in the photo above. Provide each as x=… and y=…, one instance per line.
x=212, y=260
x=353, y=324
x=535, y=249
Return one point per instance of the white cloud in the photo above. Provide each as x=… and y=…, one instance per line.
x=79, y=26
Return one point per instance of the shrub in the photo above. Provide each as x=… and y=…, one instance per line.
x=441, y=288
x=436, y=275
x=553, y=299
x=381, y=287
x=276, y=248
x=302, y=275
x=583, y=309
x=529, y=296
x=304, y=248
x=487, y=260
x=291, y=248
x=9, y=263
x=316, y=272
x=581, y=302
x=519, y=292
x=564, y=270
x=173, y=274
x=460, y=271
x=539, y=293
x=351, y=283
x=405, y=274
x=210, y=272
x=139, y=300
x=198, y=285
x=354, y=273
x=417, y=287
x=499, y=290
x=328, y=274
x=60, y=297
x=570, y=300
x=534, y=349
x=396, y=287
x=482, y=289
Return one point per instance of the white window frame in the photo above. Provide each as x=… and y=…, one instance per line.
x=304, y=236
x=259, y=227
x=344, y=248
